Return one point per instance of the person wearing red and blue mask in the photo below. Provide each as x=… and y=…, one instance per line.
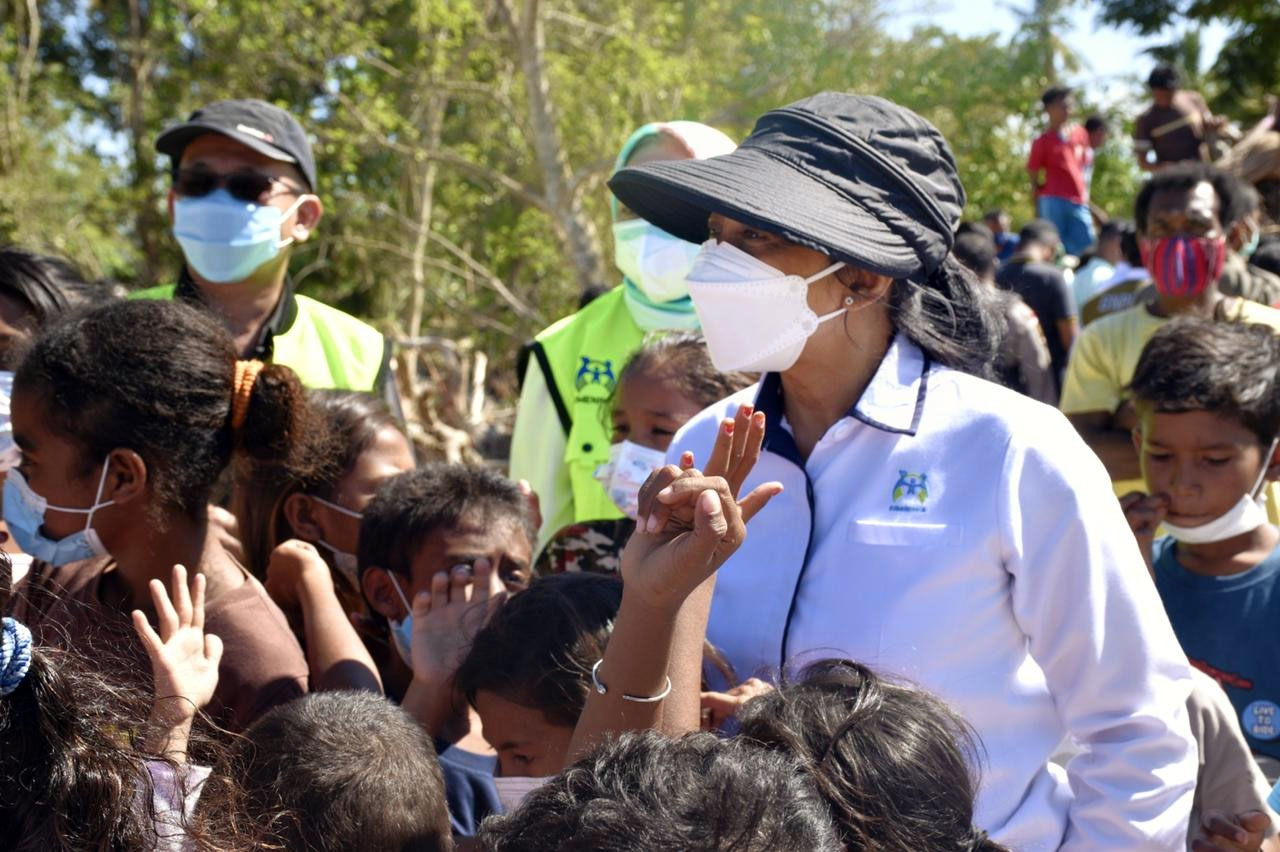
x=1182, y=215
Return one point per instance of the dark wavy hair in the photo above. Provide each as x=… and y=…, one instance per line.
x=414, y=504
x=646, y=791
x=955, y=319
x=348, y=423
x=73, y=778
x=156, y=377
x=1228, y=368
x=538, y=649
x=46, y=286
x=683, y=359
x=895, y=763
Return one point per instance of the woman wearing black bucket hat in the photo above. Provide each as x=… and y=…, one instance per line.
x=934, y=525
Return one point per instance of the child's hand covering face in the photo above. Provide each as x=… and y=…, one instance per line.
x=447, y=618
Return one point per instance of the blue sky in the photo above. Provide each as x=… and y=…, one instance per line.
x=1113, y=57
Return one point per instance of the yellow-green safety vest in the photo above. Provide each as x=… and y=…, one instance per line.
x=324, y=346
x=582, y=357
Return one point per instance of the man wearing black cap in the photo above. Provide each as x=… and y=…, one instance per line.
x=243, y=193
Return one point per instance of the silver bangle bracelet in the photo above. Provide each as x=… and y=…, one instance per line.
x=639, y=699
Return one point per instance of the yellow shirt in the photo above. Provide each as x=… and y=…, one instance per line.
x=1106, y=353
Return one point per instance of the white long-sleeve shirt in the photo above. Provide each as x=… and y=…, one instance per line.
x=962, y=536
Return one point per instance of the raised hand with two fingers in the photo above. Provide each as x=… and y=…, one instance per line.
x=692, y=521
x=733, y=456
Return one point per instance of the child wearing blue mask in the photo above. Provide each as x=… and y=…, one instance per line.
x=123, y=435
x=437, y=534
x=668, y=381
x=428, y=523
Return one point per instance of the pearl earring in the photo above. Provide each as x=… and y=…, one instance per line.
x=848, y=300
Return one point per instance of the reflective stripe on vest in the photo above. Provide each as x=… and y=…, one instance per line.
x=324, y=346
x=586, y=353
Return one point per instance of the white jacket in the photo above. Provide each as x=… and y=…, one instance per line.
x=962, y=536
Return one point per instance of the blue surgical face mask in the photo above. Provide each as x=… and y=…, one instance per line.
x=24, y=512
x=1247, y=250
x=225, y=239
x=402, y=630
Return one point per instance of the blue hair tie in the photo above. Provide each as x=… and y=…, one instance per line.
x=15, y=654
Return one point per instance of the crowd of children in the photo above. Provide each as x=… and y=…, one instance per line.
x=843, y=578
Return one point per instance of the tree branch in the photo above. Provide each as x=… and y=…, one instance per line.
x=28, y=63
x=517, y=304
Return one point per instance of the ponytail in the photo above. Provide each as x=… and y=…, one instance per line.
x=270, y=419
x=952, y=316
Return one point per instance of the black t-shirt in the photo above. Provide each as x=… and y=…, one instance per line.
x=1046, y=292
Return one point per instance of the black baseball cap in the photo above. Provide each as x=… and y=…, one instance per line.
x=855, y=177
x=258, y=125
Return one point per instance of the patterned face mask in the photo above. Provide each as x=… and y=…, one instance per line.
x=1183, y=266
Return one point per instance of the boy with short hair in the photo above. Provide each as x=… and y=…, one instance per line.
x=457, y=535
x=1208, y=415
x=431, y=521
x=384, y=792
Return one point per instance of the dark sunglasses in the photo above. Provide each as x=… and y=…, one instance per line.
x=244, y=186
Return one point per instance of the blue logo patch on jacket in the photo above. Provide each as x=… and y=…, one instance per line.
x=593, y=372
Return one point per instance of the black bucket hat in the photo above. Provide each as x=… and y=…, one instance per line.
x=855, y=177
x=257, y=125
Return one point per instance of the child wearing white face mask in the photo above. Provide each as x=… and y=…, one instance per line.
x=1208, y=413
x=667, y=382
x=362, y=447
x=123, y=437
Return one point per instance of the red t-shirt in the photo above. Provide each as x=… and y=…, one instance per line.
x=1062, y=158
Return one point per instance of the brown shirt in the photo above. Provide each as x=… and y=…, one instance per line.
x=262, y=663
x=1228, y=780
x=1173, y=132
